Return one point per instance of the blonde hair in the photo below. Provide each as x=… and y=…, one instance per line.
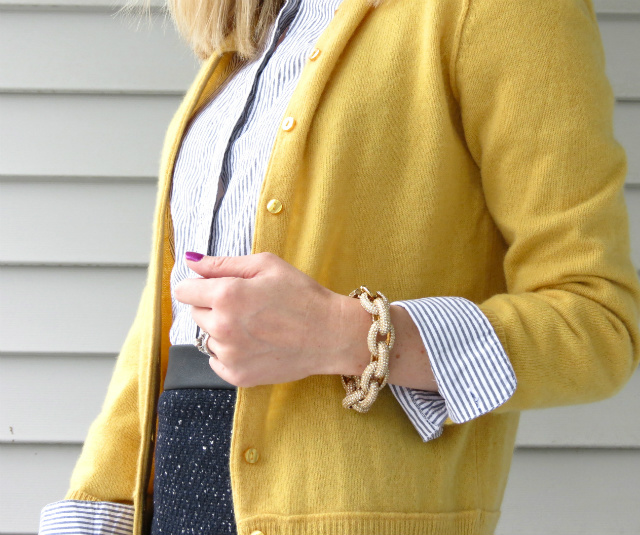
x=242, y=25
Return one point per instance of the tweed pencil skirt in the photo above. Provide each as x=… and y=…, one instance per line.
x=192, y=484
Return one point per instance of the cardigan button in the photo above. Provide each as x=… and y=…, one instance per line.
x=251, y=455
x=314, y=54
x=288, y=124
x=274, y=206
x=257, y=533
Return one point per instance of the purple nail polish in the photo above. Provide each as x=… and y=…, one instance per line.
x=194, y=257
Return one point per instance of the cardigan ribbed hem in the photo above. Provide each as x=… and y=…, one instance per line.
x=476, y=522
x=82, y=496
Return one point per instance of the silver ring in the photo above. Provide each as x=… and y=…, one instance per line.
x=201, y=345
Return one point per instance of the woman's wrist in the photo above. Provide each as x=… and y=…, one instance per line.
x=349, y=355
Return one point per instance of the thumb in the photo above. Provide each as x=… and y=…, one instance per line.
x=209, y=267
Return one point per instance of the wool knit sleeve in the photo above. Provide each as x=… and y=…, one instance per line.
x=107, y=467
x=537, y=114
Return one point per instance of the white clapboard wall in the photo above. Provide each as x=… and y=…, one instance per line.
x=85, y=98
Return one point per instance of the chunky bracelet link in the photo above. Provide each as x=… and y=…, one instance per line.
x=363, y=390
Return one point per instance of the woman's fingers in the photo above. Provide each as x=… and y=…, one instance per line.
x=193, y=292
x=244, y=267
x=222, y=274
x=207, y=293
x=205, y=319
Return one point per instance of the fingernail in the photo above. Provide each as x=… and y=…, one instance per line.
x=194, y=257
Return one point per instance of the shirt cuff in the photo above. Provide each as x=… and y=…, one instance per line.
x=86, y=518
x=473, y=372
x=426, y=410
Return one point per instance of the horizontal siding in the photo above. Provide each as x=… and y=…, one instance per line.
x=82, y=216
x=621, y=39
x=88, y=4
x=39, y=396
x=88, y=135
x=572, y=492
x=115, y=56
x=617, y=6
x=550, y=492
x=29, y=383
x=602, y=424
x=627, y=132
x=36, y=475
x=632, y=195
x=61, y=309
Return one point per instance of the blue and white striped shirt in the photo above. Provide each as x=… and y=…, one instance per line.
x=216, y=184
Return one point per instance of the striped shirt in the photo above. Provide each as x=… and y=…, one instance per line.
x=216, y=185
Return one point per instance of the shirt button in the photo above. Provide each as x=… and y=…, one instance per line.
x=251, y=455
x=313, y=56
x=274, y=206
x=288, y=123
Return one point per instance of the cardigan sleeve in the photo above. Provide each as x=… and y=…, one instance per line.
x=537, y=113
x=107, y=467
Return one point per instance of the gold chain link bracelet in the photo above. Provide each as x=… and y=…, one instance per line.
x=363, y=390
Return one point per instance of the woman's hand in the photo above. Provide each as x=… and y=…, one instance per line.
x=269, y=322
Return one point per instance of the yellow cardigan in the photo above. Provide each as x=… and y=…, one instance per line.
x=442, y=147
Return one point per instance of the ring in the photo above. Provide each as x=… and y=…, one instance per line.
x=201, y=345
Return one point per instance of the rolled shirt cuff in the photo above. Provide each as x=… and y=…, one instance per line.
x=472, y=370
x=86, y=518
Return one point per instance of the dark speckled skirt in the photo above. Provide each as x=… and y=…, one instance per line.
x=192, y=485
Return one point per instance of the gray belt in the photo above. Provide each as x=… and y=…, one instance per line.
x=188, y=368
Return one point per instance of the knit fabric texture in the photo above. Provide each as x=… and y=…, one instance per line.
x=192, y=486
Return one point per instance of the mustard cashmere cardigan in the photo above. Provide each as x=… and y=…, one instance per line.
x=441, y=148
